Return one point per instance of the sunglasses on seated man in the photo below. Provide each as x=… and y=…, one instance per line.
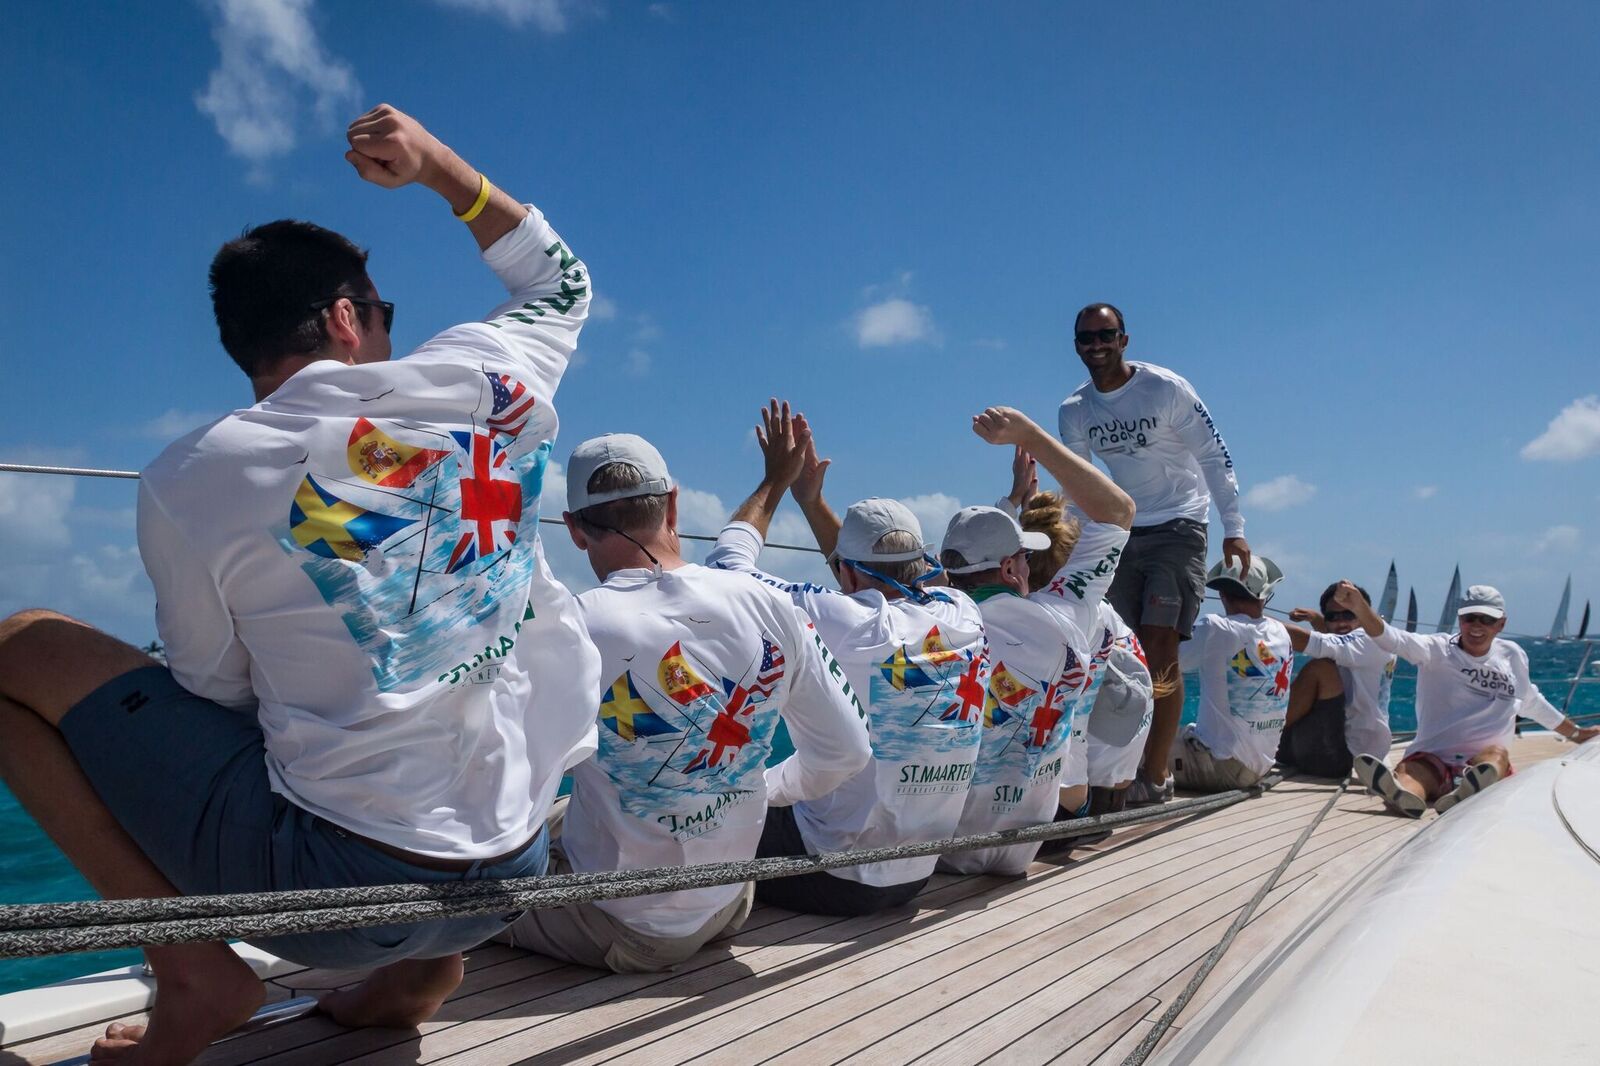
x=384, y=305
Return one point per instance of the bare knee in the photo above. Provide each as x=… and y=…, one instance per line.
x=1073, y=797
x=1496, y=755
x=49, y=662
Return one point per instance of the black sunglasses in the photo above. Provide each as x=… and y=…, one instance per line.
x=384, y=305
x=1479, y=619
x=1339, y=616
x=1089, y=336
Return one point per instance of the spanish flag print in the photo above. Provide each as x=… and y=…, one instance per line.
x=678, y=679
x=381, y=460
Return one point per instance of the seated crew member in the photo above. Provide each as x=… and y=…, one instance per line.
x=1339, y=702
x=701, y=664
x=359, y=643
x=1471, y=687
x=1108, y=738
x=1040, y=641
x=916, y=658
x=1244, y=661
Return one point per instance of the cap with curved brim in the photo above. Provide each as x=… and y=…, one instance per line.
x=602, y=451
x=986, y=537
x=867, y=522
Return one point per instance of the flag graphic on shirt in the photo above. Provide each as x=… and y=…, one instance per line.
x=728, y=732
x=491, y=501
x=935, y=651
x=628, y=716
x=1245, y=666
x=378, y=458
x=906, y=669
x=511, y=404
x=678, y=679
x=1075, y=676
x=1046, y=716
x=326, y=525
x=1006, y=690
x=1280, y=683
x=970, y=692
x=1264, y=653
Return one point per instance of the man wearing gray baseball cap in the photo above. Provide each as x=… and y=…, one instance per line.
x=1471, y=688
x=697, y=665
x=916, y=658
x=1041, y=641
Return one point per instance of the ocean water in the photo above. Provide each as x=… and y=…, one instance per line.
x=32, y=870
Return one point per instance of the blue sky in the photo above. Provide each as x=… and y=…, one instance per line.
x=1366, y=233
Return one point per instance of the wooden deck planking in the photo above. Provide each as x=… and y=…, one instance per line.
x=1073, y=964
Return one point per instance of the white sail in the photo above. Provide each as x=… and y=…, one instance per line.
x=1452, y=602
x=1558, y=628
x=1391, y=594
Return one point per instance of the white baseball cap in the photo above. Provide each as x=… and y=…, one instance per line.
x=1256, y=583
x=986, y=537
x=1483, y=599
x=867, y=522
x=597, y=452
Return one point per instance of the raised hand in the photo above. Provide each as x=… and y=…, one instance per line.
x=1306, y=614
x=390, y=148
x=1024, y=479
x=1004, y=425
x=807, y=488
x=784, y=438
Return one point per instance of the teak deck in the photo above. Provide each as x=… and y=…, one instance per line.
x=1073, y=964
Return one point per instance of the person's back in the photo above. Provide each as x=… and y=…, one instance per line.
x=1119, y=710
x=699, y=664
x=357, y=555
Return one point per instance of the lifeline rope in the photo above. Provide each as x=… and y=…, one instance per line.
x=62, y=928
x=1214, y=956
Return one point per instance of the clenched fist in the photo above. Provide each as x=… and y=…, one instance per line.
x=390, y=148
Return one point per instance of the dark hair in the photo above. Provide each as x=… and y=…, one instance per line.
x=1122, y=323
x=635, y=515
x=951, y=559
x=1327, y=596
x=264, y=282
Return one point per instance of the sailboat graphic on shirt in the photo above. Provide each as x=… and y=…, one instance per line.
x=413, y=533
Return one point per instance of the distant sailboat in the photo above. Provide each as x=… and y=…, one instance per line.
x=1583, y=626
x=1391, y=594
x=1411, y=612
x=1558, y=628
x=1452, y=603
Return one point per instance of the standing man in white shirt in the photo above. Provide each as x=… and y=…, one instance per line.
x=699, y=665
x=372, y=676
x=1244, y=661
x=1158, y=440
x=1040, y=641
x=916, y=658
x=1471, y=688
x=1339, y=701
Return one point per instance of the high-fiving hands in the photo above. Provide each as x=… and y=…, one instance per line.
x=785, y=439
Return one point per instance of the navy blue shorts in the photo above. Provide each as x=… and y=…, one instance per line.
x=187, y=779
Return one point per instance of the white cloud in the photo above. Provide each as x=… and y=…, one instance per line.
x=637, y=364
x=1425, y=492
x=602, y=309
x=271, y=57
x=933, y=511
x=1559, y=539
x=664, y=12
x=1572, y=434
x=551, y=16
x=893, y=321
x=1280, y=493
x=173, y=423
x=33, y=511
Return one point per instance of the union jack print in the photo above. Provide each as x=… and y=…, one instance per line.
x=491, y=501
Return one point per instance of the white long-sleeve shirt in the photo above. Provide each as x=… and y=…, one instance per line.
x=1466, y=703
x=356, y=560
x=1160, y=444
x=1244, y=665
x=1367, y=671
x=699, y=665
x=921, y=670
x=1040, y=647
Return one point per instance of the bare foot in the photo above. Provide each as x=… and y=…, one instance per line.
x=203, y=991
x=401, y=995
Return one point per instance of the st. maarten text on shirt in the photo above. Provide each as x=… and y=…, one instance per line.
x=921, y=779
x=1006, y=798
x=687, y=824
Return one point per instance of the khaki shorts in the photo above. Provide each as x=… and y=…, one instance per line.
x=589, y=936
x=1196, y=769
x=1161, y=577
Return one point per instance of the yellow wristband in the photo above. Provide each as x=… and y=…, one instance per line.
x=484, y=189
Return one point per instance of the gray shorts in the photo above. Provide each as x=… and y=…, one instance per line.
x=1196, y=768
x=187, y=779
x=1161, y=578
x=589, y=935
